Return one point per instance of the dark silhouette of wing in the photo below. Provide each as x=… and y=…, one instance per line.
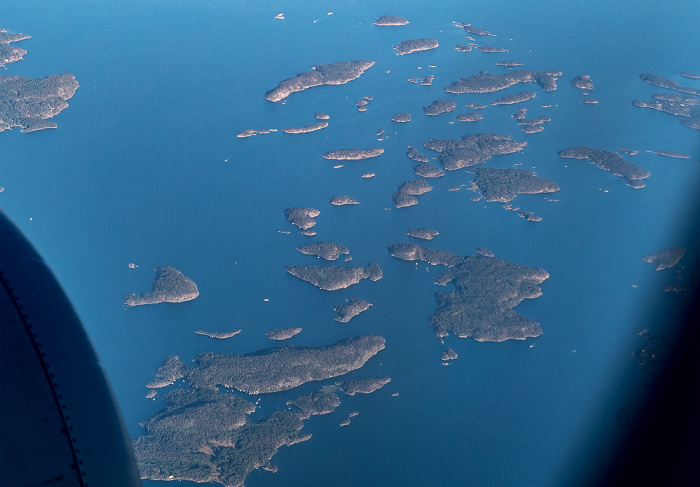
x=59, y=422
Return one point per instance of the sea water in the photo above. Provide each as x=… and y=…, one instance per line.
x=145, y=168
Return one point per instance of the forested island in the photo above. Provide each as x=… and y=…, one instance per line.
x=283, y=333
x=426, y=170
x=413, y=154
x=439, y=106
x=363, y=386
x=472, y=149
x=583, y=82
x=306, y=128
x=321, y=74
x=348, y=311
x=505, y=184
x=353, y=154
x=685, y=107
x=29, y=102
x=488, y=83
x=221, y=335
x=342, y=200
x=665, y=259
x=611, y=162
x=10, y=54
x=331, y=278
x=407, y=192
x=413, y=252
x=423, y=233
x=204, y=435
x=243, y=134
x=303, y=218
x=413, y=45
x=325, y=250
x=469, y=117
x=169, y=286
x=390, y=20
x=516, y=98
x=401, y=117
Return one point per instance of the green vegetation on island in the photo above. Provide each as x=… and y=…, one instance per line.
x=684, y=107
x=488, y=83
x=216, y=334
x=484, y=252
x=469, y=117
x=306, y=128
x=303, y=218
x=283, y=333
x=668, y=84
x=530, y=216
x=413, y=45
x=324, y=250
x=401, y=117
x=412, y=252
x=472, y=149
x=489, y=49
x=611, y=162
x=505, y=184
x=353, y=154
x=439, y=106
x=363, y=386
x=243, y=134
x=448, y=354
x=331, y=278
x=509, y=64
x=390, y=20
x=665, y=259
x=516, y=98
x=322, y=402
x=583, y=82
x=28, y=102
x=348, y=311
x=415, y=155
x=343, y=200
x=10, y=54
x=426, y=170
x=426, y=81
x=321, y=74
x=169, y=286
x=481, y=305
x=407, y=192
x=669, y=153
x=423, y=233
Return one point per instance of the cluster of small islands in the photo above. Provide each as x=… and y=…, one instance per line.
x=204, y=433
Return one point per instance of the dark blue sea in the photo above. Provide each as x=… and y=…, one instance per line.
x=145, y=167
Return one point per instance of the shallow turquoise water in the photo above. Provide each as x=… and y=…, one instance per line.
x=136, y=172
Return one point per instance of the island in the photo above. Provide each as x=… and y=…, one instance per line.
x=251, y=132
x=488, y=83
x=448, y=354
x=407, y=192
x=321, y=116
x=463, y=48
x=516, y=98
x=343, y=200
x=219, y=335
x=611, y=162
x=281, y=368
x=10, y=54
x=413, y=45
x=170, y=370
x=367, y=175
x=426, y=81
x=665, y=259
x=283, y=333
x=401, y=117
x=363, y=386
x=484, y=252
x=169, y=286
x=509, y=64
x=28, y=102
x=332, y=278
x=583, y=82
x=530, y=216
x=353, y=154
x=423, y=233
x=480, y=307
x=347, y=311
x=691, y=75
x=472, y=149
x=669, y=153
x=415, y=155
x=668, y=84
x=321, y=74
x=303, y=218
x=411, y=252
x=390, y=20
x=469, y=117
x=204, y=435
x=590, y=101
x=426, y=170
x=503, y=185
x=324, y=250
x=490, y=48
x=306, y=128
x=475, y=106
x=530, y=125
x=439, y=106
x=684, y=107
